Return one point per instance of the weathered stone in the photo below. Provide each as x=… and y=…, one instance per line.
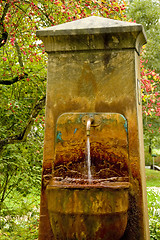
x=93, y=33
x=93, y=66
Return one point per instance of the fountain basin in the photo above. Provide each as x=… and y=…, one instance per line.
x=88, y=211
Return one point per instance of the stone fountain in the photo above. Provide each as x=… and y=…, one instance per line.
x=93, y=178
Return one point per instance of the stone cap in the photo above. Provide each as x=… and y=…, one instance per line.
x=95, y=26
x=91, y=25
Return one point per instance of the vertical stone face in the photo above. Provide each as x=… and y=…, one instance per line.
x=93, y=66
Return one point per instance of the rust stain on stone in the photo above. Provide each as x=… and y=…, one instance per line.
x=108, y=147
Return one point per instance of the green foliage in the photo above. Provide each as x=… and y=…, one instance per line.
x=20, y=219
x=154, y=212
x=153, y=196
x=152, y=178
x=150, y=90
x=147, y=12
x=20, y=166
x=148, y=157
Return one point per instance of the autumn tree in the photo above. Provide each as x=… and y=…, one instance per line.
x=150, y=89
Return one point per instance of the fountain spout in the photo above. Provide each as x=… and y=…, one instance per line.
x=88, y=125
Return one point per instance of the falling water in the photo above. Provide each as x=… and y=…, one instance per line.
x=88, y=152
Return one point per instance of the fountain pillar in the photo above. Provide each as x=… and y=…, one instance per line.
x=94, y=67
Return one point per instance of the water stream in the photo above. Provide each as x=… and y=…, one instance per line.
x=88, y=153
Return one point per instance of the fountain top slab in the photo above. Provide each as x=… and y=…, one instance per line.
x=91, y=25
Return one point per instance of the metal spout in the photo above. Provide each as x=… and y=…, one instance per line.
x=88, y=126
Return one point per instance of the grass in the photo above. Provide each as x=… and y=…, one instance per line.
x=153, y=197
x=152, y=178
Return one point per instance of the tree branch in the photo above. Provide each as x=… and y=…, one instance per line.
x=6, y=7
x=25, y=13
x=13, y=80
x=21, y=137
x=3, y=37
x=19, y=54
x=3, y=33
